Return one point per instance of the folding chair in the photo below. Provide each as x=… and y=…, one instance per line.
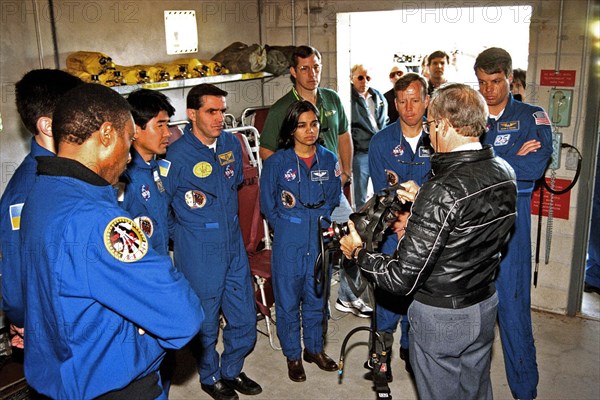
x=255, y=231
x=255, y=116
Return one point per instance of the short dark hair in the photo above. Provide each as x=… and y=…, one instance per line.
x=84, y=109
x=290, y=122
x=521, y=76
x=463, y=106
x=302, y=52
x=38, y=92
x=437, y=54
x=194, y=97
x=405, y=80
x=493, y=61
x=146, y=104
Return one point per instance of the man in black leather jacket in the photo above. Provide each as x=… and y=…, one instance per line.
x=450, y=253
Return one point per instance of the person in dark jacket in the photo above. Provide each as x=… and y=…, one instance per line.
x=450, y=252
x=369, y=116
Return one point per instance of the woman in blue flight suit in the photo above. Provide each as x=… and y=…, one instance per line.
x=299, y=183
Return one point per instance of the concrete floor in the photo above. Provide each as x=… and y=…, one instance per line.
x=568, y=355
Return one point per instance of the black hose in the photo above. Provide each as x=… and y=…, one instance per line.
x=575, y=178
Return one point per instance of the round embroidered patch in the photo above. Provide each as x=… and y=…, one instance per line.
x=202, y=169
x=124, y=240
x=287, y=199
x=392, y=177
x=195, y=199
x=145, y=224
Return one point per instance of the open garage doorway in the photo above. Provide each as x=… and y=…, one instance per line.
x=381, y=38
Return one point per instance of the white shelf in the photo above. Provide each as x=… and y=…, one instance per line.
x=184, y=83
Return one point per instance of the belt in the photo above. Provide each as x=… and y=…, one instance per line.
x=461, y=301
x=144, y=388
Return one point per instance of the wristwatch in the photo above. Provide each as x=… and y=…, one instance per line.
x=349, y=176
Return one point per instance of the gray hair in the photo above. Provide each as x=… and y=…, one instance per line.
x=463, y=106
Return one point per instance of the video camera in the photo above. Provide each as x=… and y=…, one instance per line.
x=372, y=219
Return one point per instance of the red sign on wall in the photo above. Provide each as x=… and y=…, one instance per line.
x=560, y=203
x=549, y=77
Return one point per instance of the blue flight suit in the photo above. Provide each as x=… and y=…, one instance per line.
x=145, y=198
x=519, y=123
x=202, y=189
x=392, y=161
x=92, y=283
x=11, y=205
x=286, y=184
x=592, y=265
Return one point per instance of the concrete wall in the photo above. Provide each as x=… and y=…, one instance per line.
x=132, y=32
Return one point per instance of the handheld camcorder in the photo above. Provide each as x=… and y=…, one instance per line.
x=372, y=219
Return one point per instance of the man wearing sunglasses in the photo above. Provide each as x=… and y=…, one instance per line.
x=395, y=73
x=369, y=116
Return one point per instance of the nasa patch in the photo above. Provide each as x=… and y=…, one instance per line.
x=398, y=151
x=202, y=169
x=145, y=192
x=124, y=240
x=195, y=199
x=392, y=177
x=289, y=175
x=145, y=224
x=287, y=199
x=229, y=172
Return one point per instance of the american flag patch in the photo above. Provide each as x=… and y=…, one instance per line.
x=541, y=118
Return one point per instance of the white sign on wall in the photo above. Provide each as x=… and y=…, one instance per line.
x=181, y=31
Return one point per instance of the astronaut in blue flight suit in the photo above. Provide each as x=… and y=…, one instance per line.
x=299, y=183
x=36, y=96
x=521, y=134
x=202, y=189
x=100, y=303
x=398, y=153
x=142, y=192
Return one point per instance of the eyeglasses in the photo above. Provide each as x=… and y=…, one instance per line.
x=362, y=78
x=427, y=123
x=305, y=68
x=397, y=73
